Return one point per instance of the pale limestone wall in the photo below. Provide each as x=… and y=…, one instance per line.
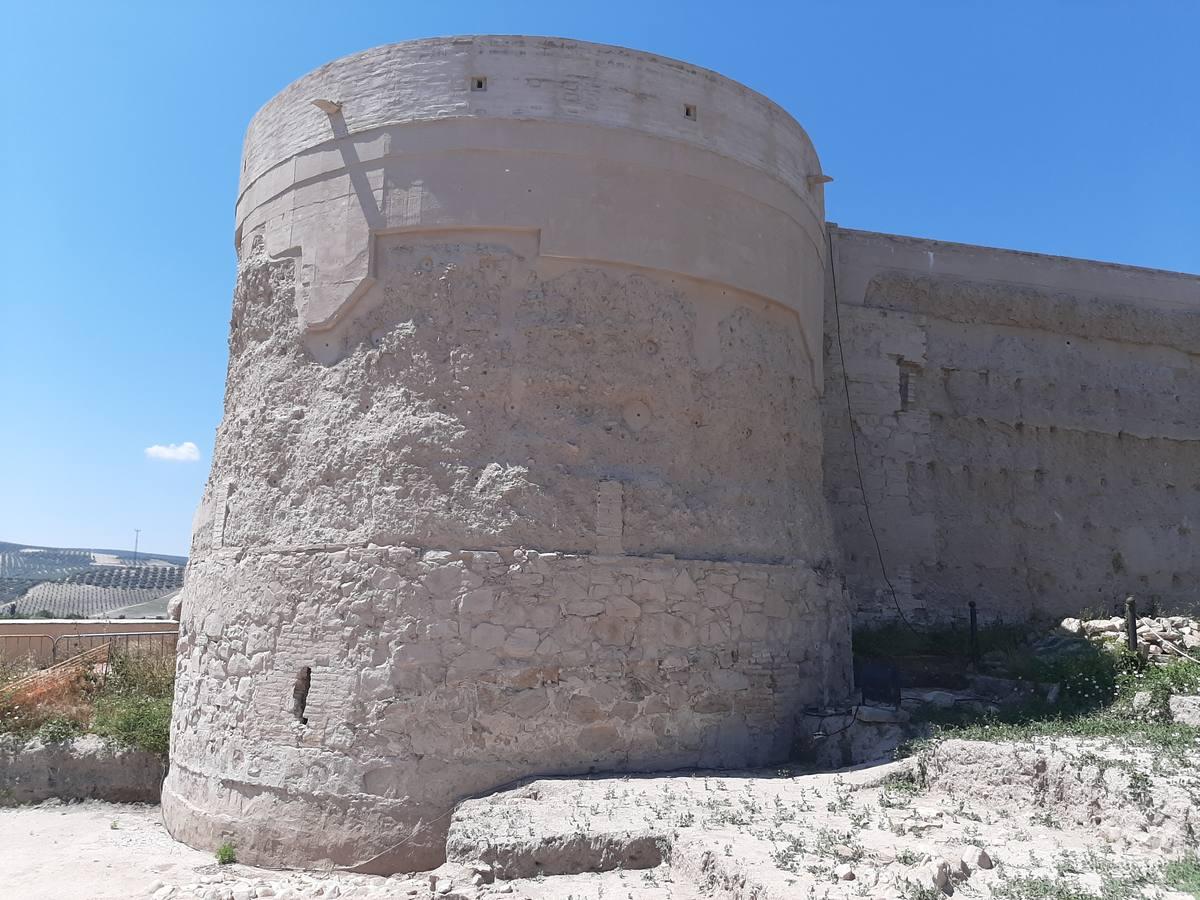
x=520, y=467
x=1029, y=429
x=481, y=395
x=601, y=153
x=439, y=674
x=82, y=768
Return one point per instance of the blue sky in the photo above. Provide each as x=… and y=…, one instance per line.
x=1062, y=127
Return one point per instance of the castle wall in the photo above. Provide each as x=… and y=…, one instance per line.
x=525, y=466
x=439, y=674
x=1027, y=426
x=520, y=466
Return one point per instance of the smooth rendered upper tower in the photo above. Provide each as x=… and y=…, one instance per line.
x=520, y=465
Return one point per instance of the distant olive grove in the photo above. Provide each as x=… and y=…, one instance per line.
x=69, y=583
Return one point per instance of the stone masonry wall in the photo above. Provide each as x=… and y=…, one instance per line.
x=520, y=467
x=578, y=405
x=437, y=674
x=480, y=396
x=1028, y=427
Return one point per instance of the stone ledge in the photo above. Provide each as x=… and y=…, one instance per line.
x=86, y=768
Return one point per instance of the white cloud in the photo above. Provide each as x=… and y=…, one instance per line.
x=185, y=452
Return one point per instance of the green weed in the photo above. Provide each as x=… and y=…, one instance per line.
x=130, y=704
x=59, y=730
x=1184, y=875
x=134, y=705
x=1097, y=686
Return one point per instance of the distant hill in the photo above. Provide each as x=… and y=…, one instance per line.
x=126, y=556
x=85, y=582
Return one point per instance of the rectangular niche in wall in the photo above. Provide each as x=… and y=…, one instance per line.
x=909, y=372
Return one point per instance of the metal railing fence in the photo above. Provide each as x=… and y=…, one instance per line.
x=46, y=649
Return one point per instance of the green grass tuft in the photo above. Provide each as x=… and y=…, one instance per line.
x=1097, y=687
x=134, y=705
x=141, y=722
x=131, y=704
x=1183, y=875
x=59, y=730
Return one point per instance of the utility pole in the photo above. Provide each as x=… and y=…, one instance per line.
x=136, y=533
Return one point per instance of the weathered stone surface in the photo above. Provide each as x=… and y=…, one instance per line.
x=1067, y=814
x=523, y=465
x=1185, y=710
x=520, y=464
x=1068, y=779
x=976, y=858
x=882, y=715
x=83, y=768
x=1008, y=409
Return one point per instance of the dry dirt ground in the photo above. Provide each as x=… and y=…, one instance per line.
x=92, y=850
x=1044, y=819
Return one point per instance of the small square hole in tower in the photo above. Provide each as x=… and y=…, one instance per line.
x=689, y=111
x=479, y=83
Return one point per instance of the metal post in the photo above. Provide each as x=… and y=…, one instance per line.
x=1131, y=624
x=974, y=645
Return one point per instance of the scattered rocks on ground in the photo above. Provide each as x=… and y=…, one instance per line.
x=939, y=823
x=1185, y=710
x=1169, y=637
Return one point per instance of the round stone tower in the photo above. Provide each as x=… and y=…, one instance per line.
x=520, y=465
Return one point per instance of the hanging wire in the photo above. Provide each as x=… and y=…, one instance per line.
x=854, y=440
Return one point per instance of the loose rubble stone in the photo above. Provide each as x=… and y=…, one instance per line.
x=933, y=876
x=1185, y=710
x=1161, y=639
x=939, y=699
x=882, y=714
x=976, y=858
x=1103, y=626
x=1072, y=626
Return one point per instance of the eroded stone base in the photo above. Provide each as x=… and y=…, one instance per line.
x=83, y=768
x=336, y=703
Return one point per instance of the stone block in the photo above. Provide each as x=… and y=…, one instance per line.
x=1185, y=710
